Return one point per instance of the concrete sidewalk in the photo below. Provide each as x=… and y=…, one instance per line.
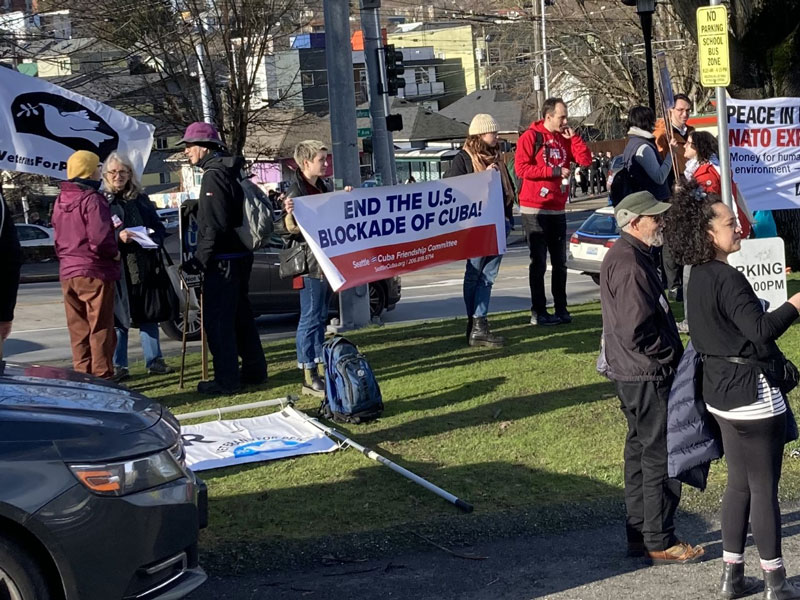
x=586, y=564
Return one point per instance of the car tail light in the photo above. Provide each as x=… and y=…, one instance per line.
x=574, y=239
x=610, y=243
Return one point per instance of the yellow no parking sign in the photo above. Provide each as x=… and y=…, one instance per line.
x=712, y=44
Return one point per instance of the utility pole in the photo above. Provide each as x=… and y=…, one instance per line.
x=537, y=52
x=545, y=68
x=353, y=303
x=374, y=60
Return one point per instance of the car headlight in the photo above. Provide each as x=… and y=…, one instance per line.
x=130, y=476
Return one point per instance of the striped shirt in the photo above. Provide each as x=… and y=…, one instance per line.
x=770, y=403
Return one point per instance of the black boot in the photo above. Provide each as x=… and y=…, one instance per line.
x=470, y=322
x=482, y=336
x=733, y=583
x=777, y=588
x=312, y=384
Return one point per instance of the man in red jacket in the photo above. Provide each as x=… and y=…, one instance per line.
x=543, y=158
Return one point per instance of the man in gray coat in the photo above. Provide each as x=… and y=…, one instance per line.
x=641, y=349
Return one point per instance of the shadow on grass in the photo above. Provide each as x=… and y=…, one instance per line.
x=424, y=349
x=267, y=518
x=506, y=409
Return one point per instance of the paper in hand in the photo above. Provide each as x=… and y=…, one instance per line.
x=142, y=237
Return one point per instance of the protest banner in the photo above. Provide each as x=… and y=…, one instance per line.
x=374, y=233
x=763, y=263
x=222, y=443
x=764, y=139
x=42, y=124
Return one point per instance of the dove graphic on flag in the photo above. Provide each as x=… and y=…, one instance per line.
x=42, y=124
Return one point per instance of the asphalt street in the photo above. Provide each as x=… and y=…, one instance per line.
x=584, y=564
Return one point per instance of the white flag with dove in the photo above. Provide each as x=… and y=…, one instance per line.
x=42, y=124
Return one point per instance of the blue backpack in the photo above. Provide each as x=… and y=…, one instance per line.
x=352, y=394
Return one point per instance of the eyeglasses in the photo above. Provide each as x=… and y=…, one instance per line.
x=120, y=172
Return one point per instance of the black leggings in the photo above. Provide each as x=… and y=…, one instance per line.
x=754, y=451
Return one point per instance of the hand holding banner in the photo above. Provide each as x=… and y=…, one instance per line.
x=374, y=233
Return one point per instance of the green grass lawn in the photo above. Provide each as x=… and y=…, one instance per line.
x=527, y=429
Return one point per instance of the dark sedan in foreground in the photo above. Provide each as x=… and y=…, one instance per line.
x=95, y=500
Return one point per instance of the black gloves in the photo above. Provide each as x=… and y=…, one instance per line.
x=192, y=267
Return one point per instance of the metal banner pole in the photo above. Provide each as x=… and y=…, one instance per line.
x=371, y=454
x=218, y=412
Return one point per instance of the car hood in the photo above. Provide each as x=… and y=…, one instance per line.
x=85, y=417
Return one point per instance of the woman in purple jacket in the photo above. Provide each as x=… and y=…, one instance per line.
x=88, y=265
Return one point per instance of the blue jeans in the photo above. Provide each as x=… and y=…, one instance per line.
x=148, y=333
x=478, y=280
x=315, y=298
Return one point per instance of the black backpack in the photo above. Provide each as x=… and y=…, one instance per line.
x=622, y=185
x=624, y=182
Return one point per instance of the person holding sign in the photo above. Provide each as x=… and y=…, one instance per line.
x=745, y=378
x=226, y=264
x=702, y=166
x=481, y=152
x=315, y=293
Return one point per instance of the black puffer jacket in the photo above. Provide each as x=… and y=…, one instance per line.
x=10, y=264
x=220, y=208
x=288, y=228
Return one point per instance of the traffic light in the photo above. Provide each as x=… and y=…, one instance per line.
x=394, y=70
x=394, y=122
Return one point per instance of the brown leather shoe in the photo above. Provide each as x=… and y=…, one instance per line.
x=680, y=553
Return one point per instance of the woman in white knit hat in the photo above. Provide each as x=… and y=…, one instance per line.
x=480, y=152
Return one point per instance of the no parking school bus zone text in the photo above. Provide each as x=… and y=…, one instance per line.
x=712, y=43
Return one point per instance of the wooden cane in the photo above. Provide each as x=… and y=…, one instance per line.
x=204, y=340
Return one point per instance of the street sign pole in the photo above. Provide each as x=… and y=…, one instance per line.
x=382, y=140
x=715, y=71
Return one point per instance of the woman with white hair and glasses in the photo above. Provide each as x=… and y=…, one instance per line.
x=130, y=207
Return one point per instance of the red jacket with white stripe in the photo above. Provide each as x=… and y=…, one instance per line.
x=541, y=174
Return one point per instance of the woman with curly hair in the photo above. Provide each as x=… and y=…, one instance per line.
x=736, y=337
x=703, y=166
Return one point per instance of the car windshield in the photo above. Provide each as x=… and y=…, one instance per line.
x=600, y=224
x=616, y=163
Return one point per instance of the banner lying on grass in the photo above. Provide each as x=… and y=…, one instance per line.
x=764, y=139
x=42, y=124
x=222, y=443
x=374, y=233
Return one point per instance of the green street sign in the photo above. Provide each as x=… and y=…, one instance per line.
x=362, y=113
x=364, y=132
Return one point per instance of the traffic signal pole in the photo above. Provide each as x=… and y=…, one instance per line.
x=353, y=303
x=374, y=59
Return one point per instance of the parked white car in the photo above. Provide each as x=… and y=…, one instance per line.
x=34, y=235
x=589, y=244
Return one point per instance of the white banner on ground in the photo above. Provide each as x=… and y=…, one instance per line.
x=375, y=233
x=764, y=140
x=763, y=262
x=223, y=443
x=42, y=124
